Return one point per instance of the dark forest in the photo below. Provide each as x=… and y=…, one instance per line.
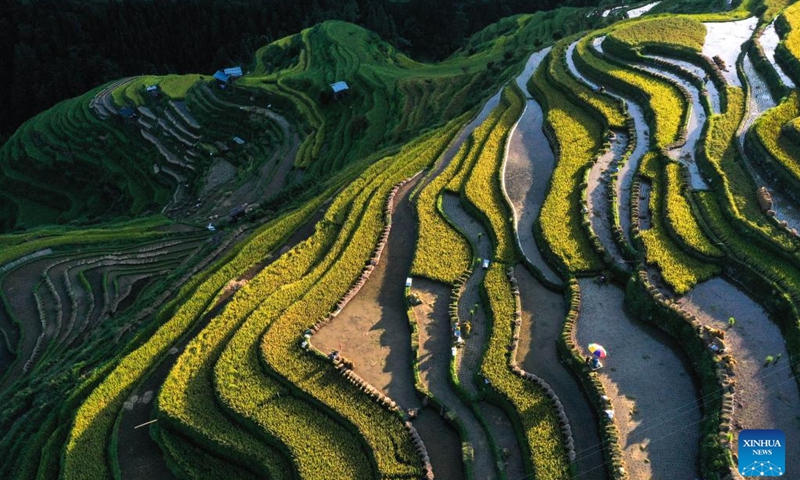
x=51, y=50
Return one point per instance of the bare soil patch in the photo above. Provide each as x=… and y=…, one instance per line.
x=648, y=380
x=372, y=330
x=543, y=315
x=442, y=442
x=766, y=397
x=435, y=343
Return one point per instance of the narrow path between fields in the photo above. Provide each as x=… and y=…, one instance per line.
x=372, y=330
x=766, y=396
x=658, y=425
x=435, y=343
x=469, y=357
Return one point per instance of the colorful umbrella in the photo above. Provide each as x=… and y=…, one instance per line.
x=597, y=350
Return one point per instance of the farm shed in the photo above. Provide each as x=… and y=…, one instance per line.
x=234, y=72
x=222, y=77
x=339, y=89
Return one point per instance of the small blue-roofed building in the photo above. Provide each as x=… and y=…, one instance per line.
x=222, y=77
x=234, y=72
x=339, y=89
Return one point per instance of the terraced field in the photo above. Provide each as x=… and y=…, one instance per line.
x=270, y=280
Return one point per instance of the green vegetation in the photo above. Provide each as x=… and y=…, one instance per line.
x=679, y=216
x=680, y=32
x=608, y=108
x=247, y=217
x=537, y=414
x=86, y=447
x=772, y=132
x=678, y=268
x=537, y=418
x=442, y=253
x=730, y=179
x=788, y=51
x=663, y=102
x=576, y=137
x=175, y=87
x=483, y=190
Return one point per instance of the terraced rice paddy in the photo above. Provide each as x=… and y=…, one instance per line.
x=403, y=281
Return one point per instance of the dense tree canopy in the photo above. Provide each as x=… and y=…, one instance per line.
x=54, y=49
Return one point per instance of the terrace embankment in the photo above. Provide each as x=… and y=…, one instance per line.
x=769, y=41
x=766, y=395
x=627, y=171
x=694, y=126
x=468, y=359
x=543, y=314
x=273, y=174
x=529, y=165
x=599, y=182
x=708, y=84
x=451, y=150
x=139, y=456
x=372, y=330
x=759, y=100
x=435, y=343
x=655, y=405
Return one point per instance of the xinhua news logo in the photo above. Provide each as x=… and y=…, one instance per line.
x=762, y=453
